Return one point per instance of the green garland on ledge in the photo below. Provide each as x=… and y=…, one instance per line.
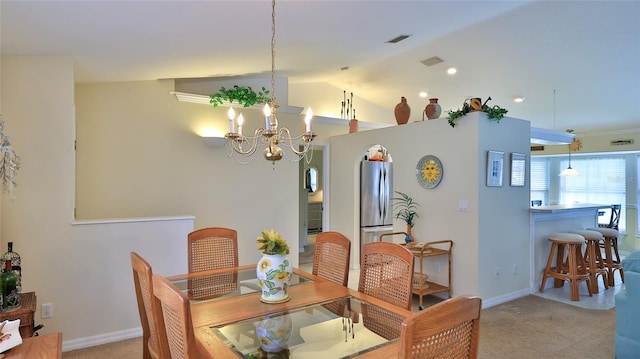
x=495, y=113
x=244, y=95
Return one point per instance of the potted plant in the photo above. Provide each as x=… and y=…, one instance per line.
x=274, y=269
x=406, y=210
x=244, y=95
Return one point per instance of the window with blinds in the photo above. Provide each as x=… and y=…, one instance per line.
x=540, y=180
x=602, y=179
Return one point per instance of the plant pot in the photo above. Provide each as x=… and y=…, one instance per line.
x=353, y=125
x=409, y=237
x=274, y=272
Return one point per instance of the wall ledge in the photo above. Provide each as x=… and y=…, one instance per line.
x=131, y=220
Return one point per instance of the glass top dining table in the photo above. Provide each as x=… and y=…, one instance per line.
x=322, y=319
x=223, y=283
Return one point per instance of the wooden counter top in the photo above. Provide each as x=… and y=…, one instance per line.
x=47, y=346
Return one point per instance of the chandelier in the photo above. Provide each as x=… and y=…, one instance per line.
x=244, y=148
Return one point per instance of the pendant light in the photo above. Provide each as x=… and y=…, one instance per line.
x=569, y=171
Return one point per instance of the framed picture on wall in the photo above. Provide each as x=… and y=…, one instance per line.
x=518, y=169
x=495, y=160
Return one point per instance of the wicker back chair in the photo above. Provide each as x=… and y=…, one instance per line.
x=331, y=257
x=174, y=313
x=142, y=274
x=386, y=272
x=212, y=248
x=449, y=329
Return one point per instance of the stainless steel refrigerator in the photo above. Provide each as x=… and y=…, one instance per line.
x=376, y=191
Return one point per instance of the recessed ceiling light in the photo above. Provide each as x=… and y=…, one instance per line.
x=518, y=99
x=452, y=70
x=423, y=94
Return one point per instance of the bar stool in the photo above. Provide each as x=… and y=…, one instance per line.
x=574, y=270
x=593, y=258
x=610, y=243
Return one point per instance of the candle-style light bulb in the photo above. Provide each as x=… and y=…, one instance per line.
x=307, y=119
x=240, y=122
x=232, y=114
x=267, y=113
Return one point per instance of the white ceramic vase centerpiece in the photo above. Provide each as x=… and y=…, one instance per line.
x=274, y=269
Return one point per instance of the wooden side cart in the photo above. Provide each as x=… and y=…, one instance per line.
x=421, y=285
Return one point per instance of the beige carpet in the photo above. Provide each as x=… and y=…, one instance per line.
x=526, y=328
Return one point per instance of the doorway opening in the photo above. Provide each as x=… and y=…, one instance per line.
x=313, y=198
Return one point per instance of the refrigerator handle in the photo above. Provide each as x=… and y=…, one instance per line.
x=380, y=194
x=385, y=194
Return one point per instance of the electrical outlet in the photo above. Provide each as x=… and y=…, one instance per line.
x=496, y=274
x=437, y=267
x=46, y=311
x=515, y=268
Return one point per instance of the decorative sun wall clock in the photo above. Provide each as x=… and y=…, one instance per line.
x=429, y=171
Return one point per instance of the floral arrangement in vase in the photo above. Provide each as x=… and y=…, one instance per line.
x=271, y=242
x=274, y=269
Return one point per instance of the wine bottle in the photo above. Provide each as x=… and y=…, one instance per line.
x=9, y=284
x=15, y=264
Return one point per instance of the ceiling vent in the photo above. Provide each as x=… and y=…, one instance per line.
x=537, y=148
x=432, y=61
x=621, y=142
x=397, y=39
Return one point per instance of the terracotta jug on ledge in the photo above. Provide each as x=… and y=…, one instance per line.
x=402, y=111
x=433, y=109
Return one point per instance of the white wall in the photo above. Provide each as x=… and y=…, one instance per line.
x=482, y=237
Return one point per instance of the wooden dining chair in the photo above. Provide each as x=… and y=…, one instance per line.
x=386, y=272
x=449, y=329
x=142, y=274
x=331, y=257
x=173, y=311
x=212, y=248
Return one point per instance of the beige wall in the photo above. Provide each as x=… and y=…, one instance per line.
x=83, y=269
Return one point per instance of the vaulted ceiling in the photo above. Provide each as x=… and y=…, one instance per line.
x=587, y=51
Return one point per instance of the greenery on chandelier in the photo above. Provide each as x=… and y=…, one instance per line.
x=244, y=95
x=270, y=242
x=496, y=113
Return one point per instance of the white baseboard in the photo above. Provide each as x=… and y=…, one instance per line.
x=101, y=339
x=504, y=298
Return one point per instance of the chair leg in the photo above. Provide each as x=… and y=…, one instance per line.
x=547, y=269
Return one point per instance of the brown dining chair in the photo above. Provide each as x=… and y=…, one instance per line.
x=449, y=329
x=142, y=274
x=173, y=311
x=212, y=248
x=331, y=257
x=386, y=272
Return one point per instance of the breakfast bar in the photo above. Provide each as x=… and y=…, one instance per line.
x=545, y=220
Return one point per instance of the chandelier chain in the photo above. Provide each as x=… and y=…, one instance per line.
x=273, y=53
